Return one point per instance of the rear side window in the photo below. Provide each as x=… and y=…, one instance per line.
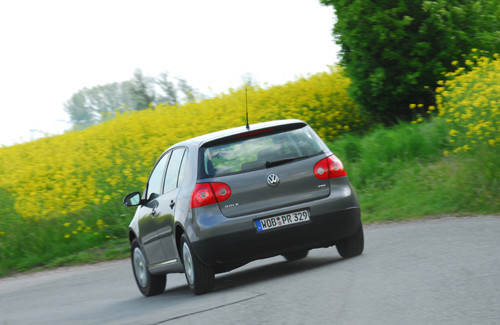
x=259, y=152
x=175, y=171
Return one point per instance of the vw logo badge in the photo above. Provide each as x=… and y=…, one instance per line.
x=273, y=180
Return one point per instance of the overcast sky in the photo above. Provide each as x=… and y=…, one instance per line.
x=52, y=49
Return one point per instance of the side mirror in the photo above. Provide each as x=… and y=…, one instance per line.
x=132, y=200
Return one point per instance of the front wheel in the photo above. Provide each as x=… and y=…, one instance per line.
x=200, y=277
x=149, y=284
x=352, y=245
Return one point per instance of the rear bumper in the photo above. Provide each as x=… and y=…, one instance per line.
x=223, y=241
x=244, y=246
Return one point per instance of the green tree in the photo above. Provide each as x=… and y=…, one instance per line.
x=80, y=114
x=188, y=91
x=168, y=88
x=142, y=90
x=146, y=90
x=90, y=106
x=393, y=49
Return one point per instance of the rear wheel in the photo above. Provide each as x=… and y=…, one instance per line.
x=296, y=255
x=352, y=245
x=200, y=277
x=149, y=284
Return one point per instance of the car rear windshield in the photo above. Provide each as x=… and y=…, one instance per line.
x=258, y=152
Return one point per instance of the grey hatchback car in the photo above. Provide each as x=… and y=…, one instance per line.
x=216, y=202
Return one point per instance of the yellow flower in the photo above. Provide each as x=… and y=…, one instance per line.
x=67, y=236
x=453, y=132
x=412, y=106
x=491, y=142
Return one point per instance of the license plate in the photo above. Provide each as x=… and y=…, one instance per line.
x=282, y=220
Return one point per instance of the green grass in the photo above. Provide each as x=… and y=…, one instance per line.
x=401, y=173
x=117, y=249
x=31, y=244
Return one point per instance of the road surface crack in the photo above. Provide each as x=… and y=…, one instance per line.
x=208, y=309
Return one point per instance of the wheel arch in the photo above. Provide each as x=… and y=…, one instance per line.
x=179, y=230
x=131, y=235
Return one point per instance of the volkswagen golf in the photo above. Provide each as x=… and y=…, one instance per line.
x=218, y=201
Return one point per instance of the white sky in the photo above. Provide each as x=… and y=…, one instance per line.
x=51, y=49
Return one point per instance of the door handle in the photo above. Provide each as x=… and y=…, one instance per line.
x=153, y=212
x=172, y=203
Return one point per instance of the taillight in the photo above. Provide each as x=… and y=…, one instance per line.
x=329, y=167
x=202, y=195
x=222, y=191
x=208, y=193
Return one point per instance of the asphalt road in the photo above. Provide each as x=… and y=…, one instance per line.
x=437, y=271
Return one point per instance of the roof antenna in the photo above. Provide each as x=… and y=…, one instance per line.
x=246, y=105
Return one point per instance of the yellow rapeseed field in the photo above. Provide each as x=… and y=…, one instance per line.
x=62, y=177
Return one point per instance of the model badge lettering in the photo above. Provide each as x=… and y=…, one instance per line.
x=233, y=205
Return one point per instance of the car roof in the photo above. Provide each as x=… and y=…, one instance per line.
x=200, y=140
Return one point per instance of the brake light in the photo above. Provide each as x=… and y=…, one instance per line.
x=209, y=193
x=329, y=167
x=251, y=133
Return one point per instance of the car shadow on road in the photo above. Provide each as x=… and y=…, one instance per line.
x=248, y=275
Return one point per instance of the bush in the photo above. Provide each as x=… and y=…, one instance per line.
x=469, y=102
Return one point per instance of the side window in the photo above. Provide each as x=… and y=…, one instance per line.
x=182, y=169
x=154, y=183
x=174, y=166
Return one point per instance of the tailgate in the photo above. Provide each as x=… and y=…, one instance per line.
x=272, y=188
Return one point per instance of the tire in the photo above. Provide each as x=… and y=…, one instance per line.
x=353, y=245
x=149, y=284
x=295, y=255
x=200, y=277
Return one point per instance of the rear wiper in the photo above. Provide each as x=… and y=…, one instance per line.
x=282, y=161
